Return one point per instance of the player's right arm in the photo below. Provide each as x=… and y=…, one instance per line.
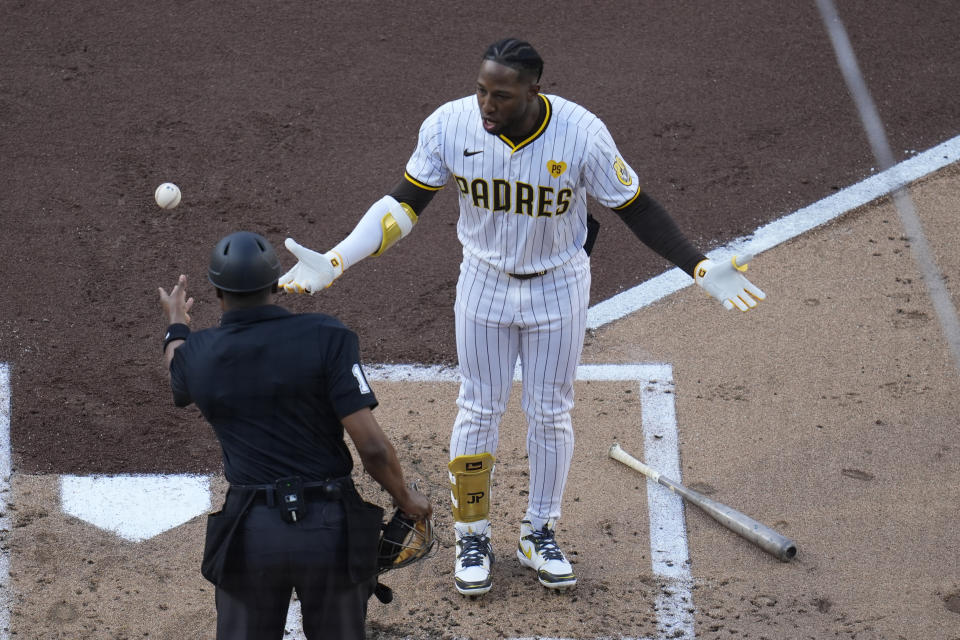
x=388, y=220
x=385, y=222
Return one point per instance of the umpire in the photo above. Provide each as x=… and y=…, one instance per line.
x=279, y=389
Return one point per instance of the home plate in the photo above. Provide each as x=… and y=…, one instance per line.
x=135, y=507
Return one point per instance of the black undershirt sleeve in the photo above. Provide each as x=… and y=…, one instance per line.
x=411, y=194
x=651, y=223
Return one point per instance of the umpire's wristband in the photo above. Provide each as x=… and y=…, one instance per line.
x=176, y=331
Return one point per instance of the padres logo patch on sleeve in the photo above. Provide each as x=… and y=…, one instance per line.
x=623, y=174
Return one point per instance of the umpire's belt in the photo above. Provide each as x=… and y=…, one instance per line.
x=526, y=276
x=330, y=489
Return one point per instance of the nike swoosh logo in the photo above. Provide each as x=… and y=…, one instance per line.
x=529, y=554
x=467, y=154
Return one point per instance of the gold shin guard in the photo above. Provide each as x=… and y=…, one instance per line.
x=470, y=486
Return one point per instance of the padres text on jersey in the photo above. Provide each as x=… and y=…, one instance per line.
x=522, y=205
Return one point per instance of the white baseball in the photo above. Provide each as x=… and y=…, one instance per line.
x=167, y=195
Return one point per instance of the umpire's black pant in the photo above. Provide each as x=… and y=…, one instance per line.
x=270, y=557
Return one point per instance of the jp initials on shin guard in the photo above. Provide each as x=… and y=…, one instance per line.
x=470, y=486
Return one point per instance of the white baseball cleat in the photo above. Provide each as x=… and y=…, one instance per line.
x=471, y=574
x=539, y=551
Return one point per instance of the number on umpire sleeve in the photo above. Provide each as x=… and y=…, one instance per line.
x=361, y=379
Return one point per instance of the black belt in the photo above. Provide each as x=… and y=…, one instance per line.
x=330, y=489
x=526, y=276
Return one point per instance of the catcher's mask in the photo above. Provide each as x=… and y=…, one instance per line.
x=404, y=541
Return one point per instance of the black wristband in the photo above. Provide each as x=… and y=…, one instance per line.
x=176, y=331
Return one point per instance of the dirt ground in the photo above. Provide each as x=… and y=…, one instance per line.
x=829, y=413
x=291, y=119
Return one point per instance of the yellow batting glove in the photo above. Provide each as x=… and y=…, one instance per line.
x=725, y=282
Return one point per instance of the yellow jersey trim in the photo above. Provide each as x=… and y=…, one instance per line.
x=536, y=134
x=630, y=201
x=422, y=185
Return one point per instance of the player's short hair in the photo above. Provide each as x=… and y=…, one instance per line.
x=516, y=54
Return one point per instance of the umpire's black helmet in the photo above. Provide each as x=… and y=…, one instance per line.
x=244, y=262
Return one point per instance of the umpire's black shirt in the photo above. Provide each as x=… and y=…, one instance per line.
x=274, y=385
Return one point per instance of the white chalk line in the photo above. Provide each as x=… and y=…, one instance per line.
x=441, y=373
x=669, y=551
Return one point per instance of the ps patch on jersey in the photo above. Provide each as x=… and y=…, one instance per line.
x=623, y=174
x=556, y=169
x=361, y=379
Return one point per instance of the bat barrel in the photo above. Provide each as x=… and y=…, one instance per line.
x=758, y=533
x=761, y=535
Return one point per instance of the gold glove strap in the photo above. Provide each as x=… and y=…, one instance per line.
x=395, y=227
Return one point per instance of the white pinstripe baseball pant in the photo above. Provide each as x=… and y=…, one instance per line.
x=542, y=320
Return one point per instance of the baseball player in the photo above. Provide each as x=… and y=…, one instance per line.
x=523, y=164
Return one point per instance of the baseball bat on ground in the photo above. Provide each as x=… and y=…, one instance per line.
x=757, y=533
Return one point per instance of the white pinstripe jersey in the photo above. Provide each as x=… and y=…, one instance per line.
x=523, y=207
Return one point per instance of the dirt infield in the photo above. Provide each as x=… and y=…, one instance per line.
x=830, y=413
x=839, y=428
x=292, y=118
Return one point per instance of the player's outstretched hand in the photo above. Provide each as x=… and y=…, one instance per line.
x=726, y=282
x=312, y=272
